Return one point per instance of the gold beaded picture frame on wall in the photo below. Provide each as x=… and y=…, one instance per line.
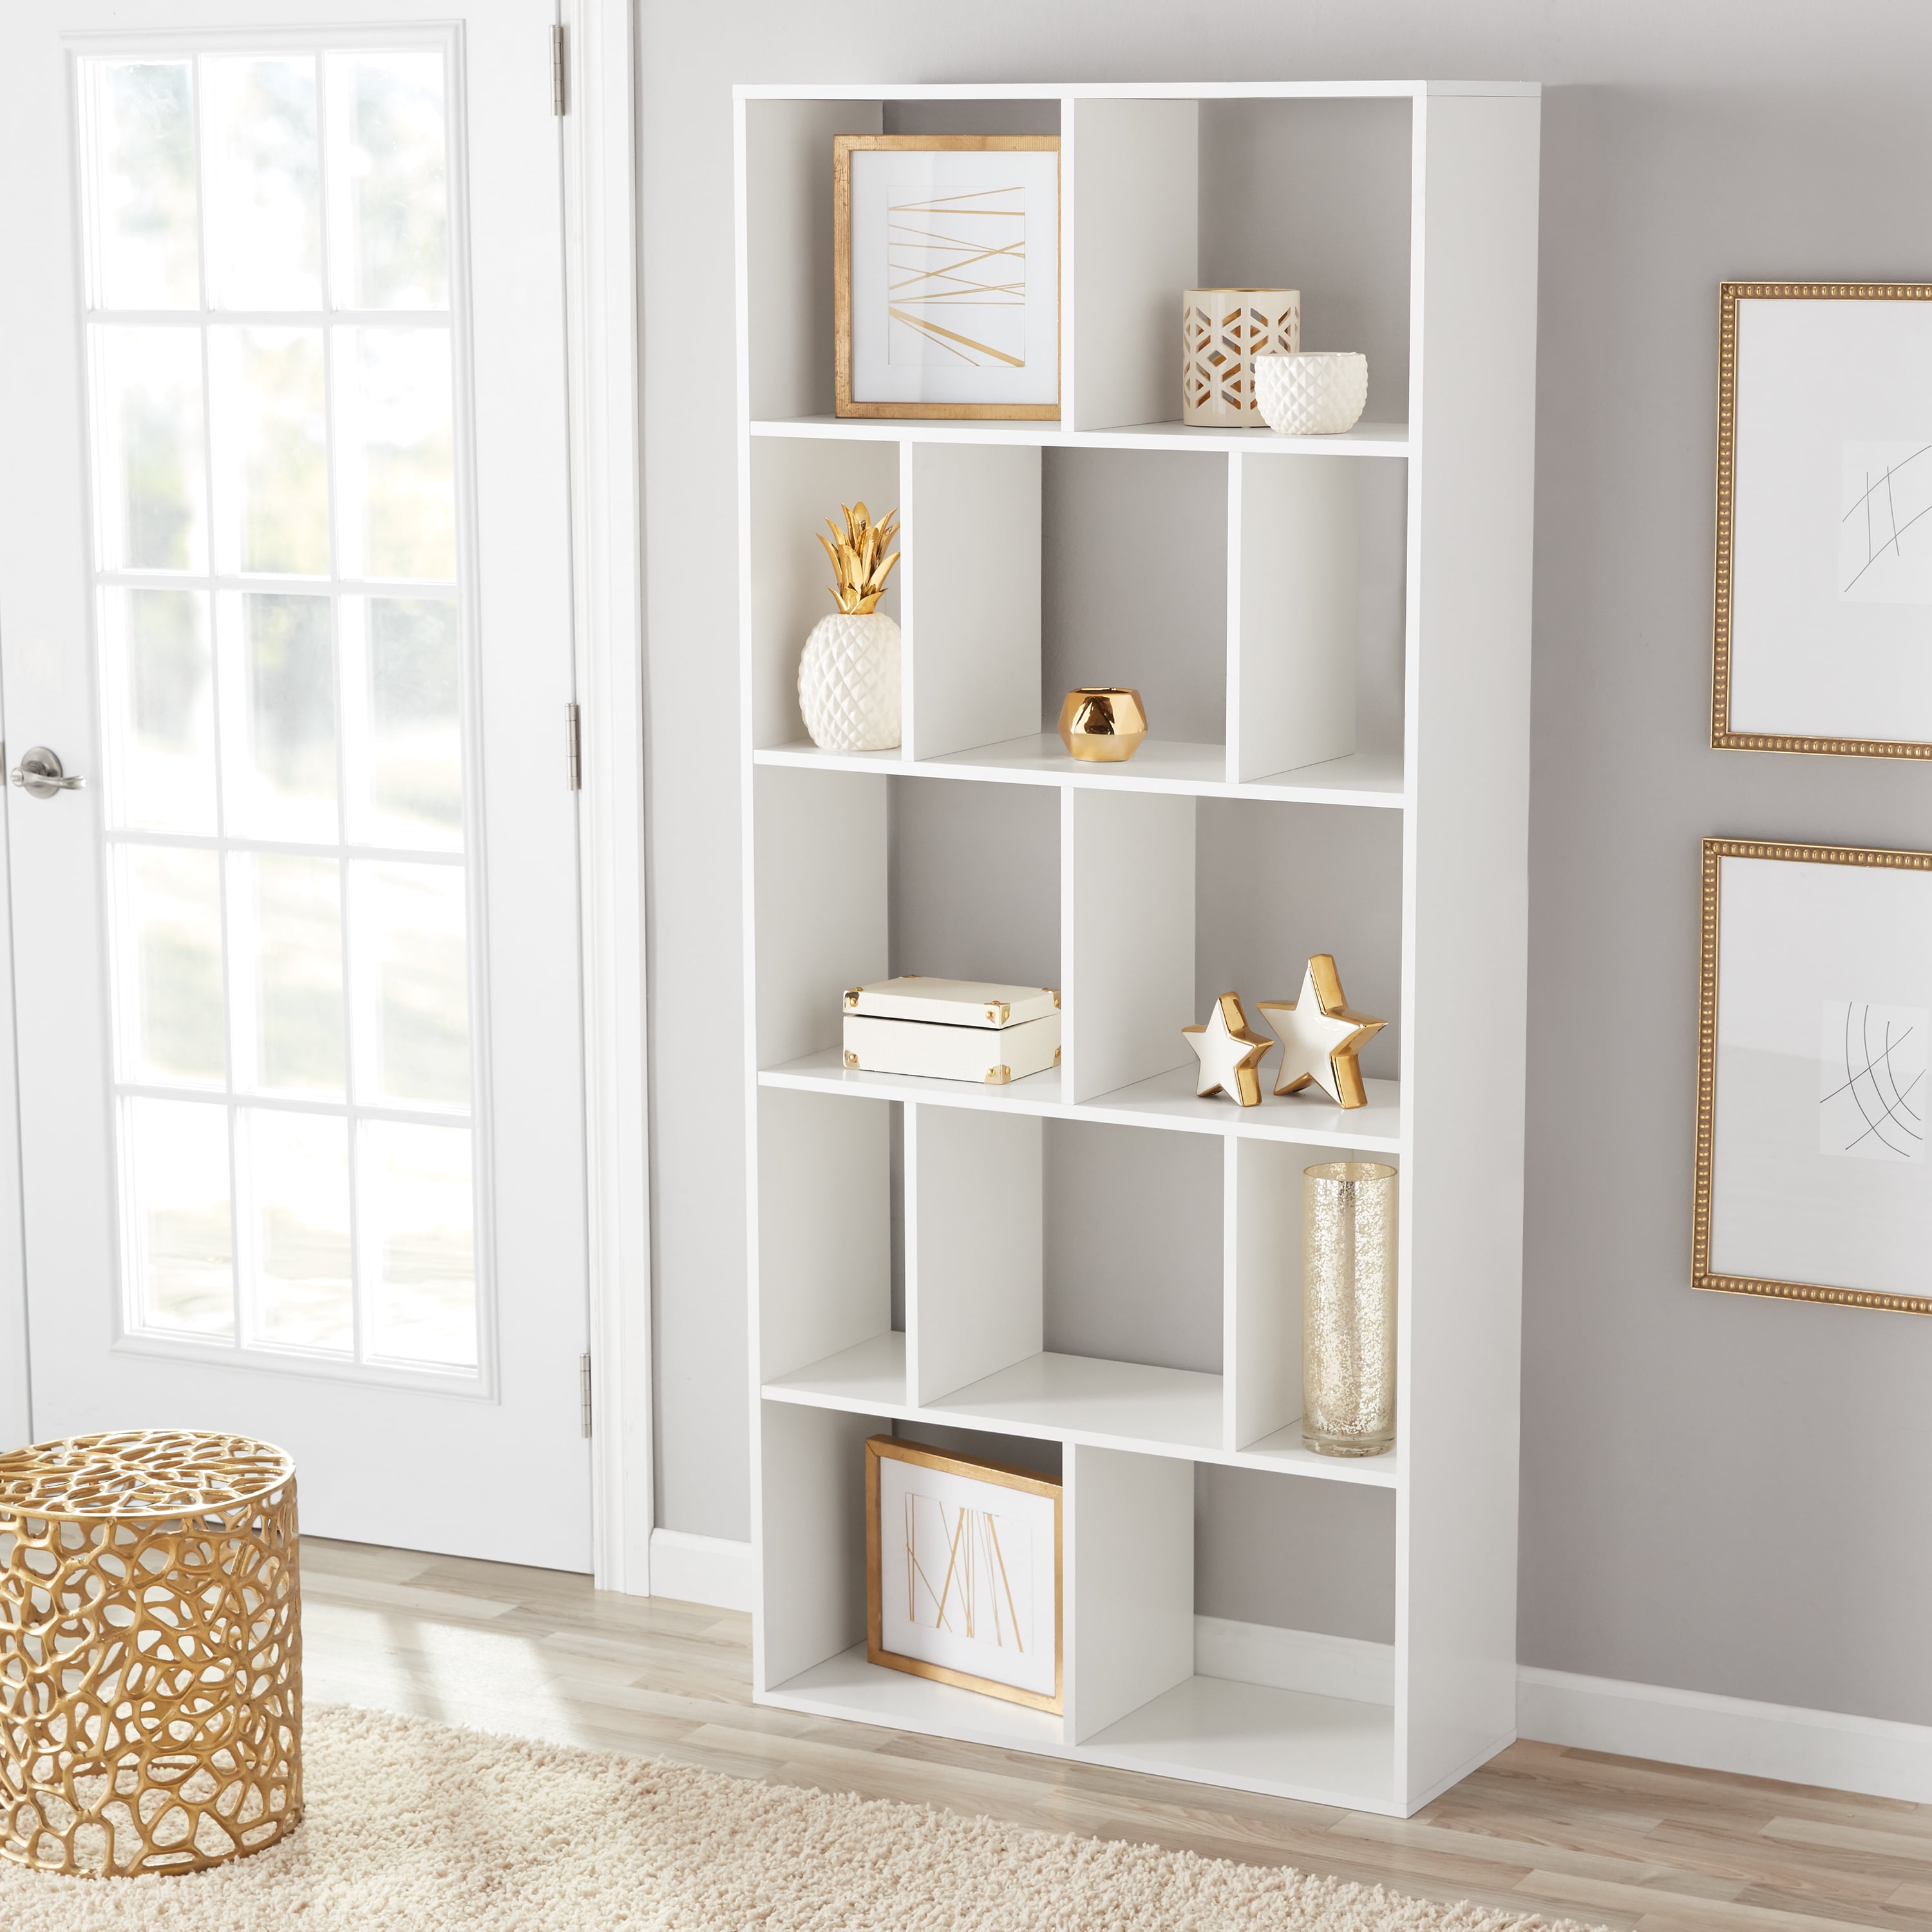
x=1821, y=631
x=1813, y=1180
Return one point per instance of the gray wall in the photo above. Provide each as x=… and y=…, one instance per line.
x=1722, y=1494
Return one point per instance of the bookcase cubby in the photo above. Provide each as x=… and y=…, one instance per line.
x=1095, y=1271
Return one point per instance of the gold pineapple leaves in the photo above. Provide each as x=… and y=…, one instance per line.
x=856, y=561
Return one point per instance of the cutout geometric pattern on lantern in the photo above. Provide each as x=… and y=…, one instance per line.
x=1222, y=332
x=150, y=1652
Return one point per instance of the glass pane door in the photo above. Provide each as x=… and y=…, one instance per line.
x=273, y=368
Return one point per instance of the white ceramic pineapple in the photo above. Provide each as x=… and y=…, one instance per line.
x=848, y=678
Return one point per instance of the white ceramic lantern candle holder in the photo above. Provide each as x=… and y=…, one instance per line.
x=1222, y=332
x=1319, y=394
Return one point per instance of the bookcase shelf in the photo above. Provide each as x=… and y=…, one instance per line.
x=1366, y=439
x=1095, y=1271
x=1167, y=1100
x=1190, y=771
x=1206, y=1728
x=1071, y=1398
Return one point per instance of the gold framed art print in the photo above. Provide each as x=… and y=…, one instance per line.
x=963, y=1571
x=1813, y=1181
x=1821, y=637
x=945, y=275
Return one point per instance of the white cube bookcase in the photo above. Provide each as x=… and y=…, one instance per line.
x=870, y=1192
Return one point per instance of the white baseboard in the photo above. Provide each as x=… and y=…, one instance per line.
x=1828, y=1748
x=712, y=1569
x=1871, y=1755
x=1294, y=1659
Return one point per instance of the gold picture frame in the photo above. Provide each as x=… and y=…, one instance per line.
x=961, y=1539
x=1843, y=943
x=843, y=146
x=1723, y=665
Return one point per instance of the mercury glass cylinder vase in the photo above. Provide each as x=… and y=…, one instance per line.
x=1347, y=1308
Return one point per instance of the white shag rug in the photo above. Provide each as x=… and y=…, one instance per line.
x=413, y=1824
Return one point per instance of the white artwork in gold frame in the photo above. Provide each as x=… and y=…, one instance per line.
x=1813, y=1180
x=962, y=1571
x=946, y=275
x=1822, y=632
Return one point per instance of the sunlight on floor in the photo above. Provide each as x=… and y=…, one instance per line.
x=391, y=1661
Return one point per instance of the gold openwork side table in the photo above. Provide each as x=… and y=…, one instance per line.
x=150, y=1652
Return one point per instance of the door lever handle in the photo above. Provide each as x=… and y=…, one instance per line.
x=40, y=774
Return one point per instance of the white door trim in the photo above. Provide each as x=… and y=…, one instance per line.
x=600, y=256
x=16, y=1407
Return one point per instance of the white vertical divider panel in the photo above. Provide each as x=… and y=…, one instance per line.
x=1129, y=1578
x=812, y=1578
x=796, y=483
x=825, y=1274
x=787, y=301
x=899, y=590
x=819, y=903
x=974, y=1236
x=1237, y=699
x=1129, y=202
x=1230, y=1224
x=971, y=568
x=1127, y=937
x=1291, y=530
x=1263, y=1246
x=1465, y=927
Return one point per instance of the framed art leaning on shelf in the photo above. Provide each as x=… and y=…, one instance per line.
x=1813, y=1179
x=945, y=275
x=1822, y=637
x=962, y=1571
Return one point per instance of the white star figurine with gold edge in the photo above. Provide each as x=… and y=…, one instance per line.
x=1230, y=1052
x=1321, y=1036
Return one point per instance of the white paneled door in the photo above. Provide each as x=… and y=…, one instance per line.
x=284, y=582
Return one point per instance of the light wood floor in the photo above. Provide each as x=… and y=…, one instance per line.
x=1612, y=1841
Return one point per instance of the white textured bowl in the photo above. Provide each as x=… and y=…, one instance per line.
x=1321, y=393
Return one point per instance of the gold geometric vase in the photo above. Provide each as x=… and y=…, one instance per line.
x=150, y=1652
x=1103, y=724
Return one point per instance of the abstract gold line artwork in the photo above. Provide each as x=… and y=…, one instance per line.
x=964, y=256
x=945, y=277
x=974, y=1598
x=932, y=332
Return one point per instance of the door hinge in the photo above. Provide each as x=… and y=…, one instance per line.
x=583, y=1391
x=560, y=71
x=573, y=746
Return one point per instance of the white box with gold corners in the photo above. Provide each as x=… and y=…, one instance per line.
x=951, y=1029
